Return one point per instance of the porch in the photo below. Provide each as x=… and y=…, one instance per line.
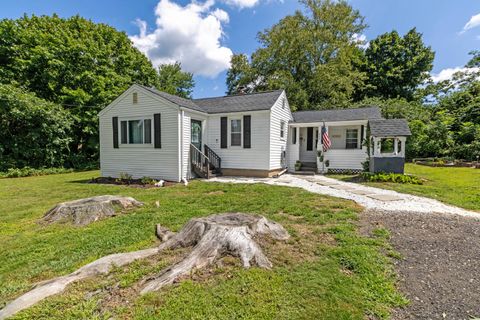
x=347, y=152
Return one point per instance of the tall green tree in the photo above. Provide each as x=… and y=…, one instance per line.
x=175, y=81
x=34, y=132
x=396, y=66
x=74, y=62
x=312, y=54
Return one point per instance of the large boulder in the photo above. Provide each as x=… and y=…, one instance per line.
x=88, y=210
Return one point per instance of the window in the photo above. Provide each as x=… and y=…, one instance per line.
x=136, y=131
x=352, y=139
x=236, y=132
x=282, y=129
x=284, y=103
x=135, y=98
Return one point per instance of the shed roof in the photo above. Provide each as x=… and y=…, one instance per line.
x=337, y=115
x=389, y=127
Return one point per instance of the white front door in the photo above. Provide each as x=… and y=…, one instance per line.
x=308, y=144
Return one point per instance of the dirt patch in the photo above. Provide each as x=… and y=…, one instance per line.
x=134, y=183
x=439, y=270
x=215, y=193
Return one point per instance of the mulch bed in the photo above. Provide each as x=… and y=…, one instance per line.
x=439, y=271
x=135, y=183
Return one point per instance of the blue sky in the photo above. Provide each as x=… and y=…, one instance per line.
x=202, y=35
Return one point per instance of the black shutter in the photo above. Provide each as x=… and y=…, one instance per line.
x=223, y=132
x=361, y=137
x=309, y=139
x=115, y=132
x=157, y=127
x=294, y=135
x=247, y=132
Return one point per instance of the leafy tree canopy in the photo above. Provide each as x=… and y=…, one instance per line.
x=34, y=132
x=396, y=66
x=311, y=54
x=175, y=81
x=74, y=62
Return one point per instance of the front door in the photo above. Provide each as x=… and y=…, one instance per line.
x=196, y=134
x=308, y=144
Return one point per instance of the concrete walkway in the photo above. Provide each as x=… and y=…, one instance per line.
x=368, y=197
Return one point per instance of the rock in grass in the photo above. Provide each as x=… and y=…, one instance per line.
x=88, y=210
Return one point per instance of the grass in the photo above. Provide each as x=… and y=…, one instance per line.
x=457, y=186
x=326, y=271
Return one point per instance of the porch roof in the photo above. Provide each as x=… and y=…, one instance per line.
x=389, y=127
x=337, y=115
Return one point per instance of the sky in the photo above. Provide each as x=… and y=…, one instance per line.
x=203, y=34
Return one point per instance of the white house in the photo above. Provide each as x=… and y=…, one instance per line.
x=145, y=132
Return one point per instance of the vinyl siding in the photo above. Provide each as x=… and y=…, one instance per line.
x=140, y=160
x=346, y=159
x=278, y=144
x=236, y=157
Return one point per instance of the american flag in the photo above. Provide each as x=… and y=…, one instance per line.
x=325, y=139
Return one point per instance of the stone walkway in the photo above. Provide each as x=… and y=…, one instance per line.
x=368, y=197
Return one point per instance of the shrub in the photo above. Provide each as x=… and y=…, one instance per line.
x=34, y=132
x=27, y=172
x=391, y=177
x=148, y=180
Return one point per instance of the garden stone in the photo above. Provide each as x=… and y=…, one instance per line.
x=88, y=210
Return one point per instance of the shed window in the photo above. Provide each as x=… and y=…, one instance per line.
x=352, y=139
x=136, y=131
x=236, y=132
x=282, y=129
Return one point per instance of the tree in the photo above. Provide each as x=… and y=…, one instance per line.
x=311, y=54
x=34, y=132
x=174, y=81
x=74, y=62
x=239, y=76
x=396, y=66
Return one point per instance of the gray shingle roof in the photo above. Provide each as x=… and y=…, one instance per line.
x=337, y=115
x=182, y=102
x=234, y=103
x=239, y=103
x=389, y=127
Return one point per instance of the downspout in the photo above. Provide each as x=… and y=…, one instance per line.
x=182, y=114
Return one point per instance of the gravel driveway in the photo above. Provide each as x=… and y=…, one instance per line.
x=439, y=243
x=440, y=269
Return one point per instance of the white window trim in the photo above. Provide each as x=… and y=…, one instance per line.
x=346, y=138
x=282, y=122
x=135, y=145
x=230, y=132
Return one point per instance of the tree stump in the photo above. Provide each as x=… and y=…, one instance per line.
x=88, y=210
x=213, y=237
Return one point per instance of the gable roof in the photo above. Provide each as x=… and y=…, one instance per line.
x=389, y=127
x=337, y=115
x=182, y=102
x=239, y=103
x=235, y=103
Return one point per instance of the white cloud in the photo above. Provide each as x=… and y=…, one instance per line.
x=360, y=40
x=472, y=23
x=189, y=34
x=447, y=74
x=242, y=3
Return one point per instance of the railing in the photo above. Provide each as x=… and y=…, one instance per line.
x=200, y=161
x=215, y=160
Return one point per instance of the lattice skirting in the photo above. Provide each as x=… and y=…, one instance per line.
x=345, y=171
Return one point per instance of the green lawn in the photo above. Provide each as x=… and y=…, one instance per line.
x=457, y=186
x=326, y=271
